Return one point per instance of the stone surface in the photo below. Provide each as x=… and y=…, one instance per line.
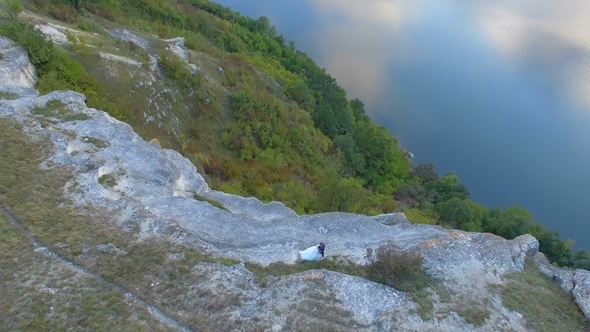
x=56, y=33
x=152, y=189
x=564, y=278
x=128, y=36
x=152, y=192
x=581, y=291
x=15, y=68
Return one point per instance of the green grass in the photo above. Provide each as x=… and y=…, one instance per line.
x=35, y=195
x=8, y=95
x=282, y=269
x=96, y=142
x=541, y=301
x=473, y=312
x=40, y=293
x=148, y=261
x=56, y=111
x=215, y=203
x=107, y=180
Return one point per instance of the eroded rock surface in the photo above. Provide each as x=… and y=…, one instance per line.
x=159, y=193
x=15, y=68
x=581, y=291
x=128, y=36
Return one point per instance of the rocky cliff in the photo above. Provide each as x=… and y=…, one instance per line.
x=150, y=192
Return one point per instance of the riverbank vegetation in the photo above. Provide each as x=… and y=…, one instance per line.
x=259, y=118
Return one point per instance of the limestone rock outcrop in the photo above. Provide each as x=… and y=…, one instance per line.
x=581, y=291
x=155, y=191
x=15, y=68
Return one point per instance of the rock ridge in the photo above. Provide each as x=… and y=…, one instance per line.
x=152, y=189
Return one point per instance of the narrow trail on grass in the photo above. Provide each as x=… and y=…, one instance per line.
x=158, y=313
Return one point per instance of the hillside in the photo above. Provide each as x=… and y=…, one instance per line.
x=257, y=117
x=104, y=230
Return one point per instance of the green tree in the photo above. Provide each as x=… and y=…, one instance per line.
x=299, y=92
x=550, y=243
x=416, y=216
x=40, y=50
x=333, y=121
x=262, y=25
x=358, y=111
x=457, y=212
x=412, y=190
x=448, y=187
x=354, y=158
x=377, y=147
x=479, y=212
x=581, y=259
x=342, y=194
x=514, y=221
x=425, y=172
x=13, y=8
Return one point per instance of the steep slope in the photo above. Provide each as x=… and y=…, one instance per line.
x=163, y=235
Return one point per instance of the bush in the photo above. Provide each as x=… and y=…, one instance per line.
x=40, y=50
x=64, y=13
x=175, y=69
x=13, y=8
x=41, y=4
x=397, y=268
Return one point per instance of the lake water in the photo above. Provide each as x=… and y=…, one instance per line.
x=496, y=91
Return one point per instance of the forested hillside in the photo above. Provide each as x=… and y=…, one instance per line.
x=258, y=117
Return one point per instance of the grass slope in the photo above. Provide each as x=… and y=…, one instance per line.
x=545, y=306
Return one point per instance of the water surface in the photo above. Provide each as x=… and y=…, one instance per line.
x=497, y=91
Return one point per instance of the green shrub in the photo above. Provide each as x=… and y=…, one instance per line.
x=12, y=8
x=473, y=312
x=56, y=70
x=397, y=268
x=64, y=13
x=176, y=69
x=40, y=50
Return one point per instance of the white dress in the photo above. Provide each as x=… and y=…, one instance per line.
x=310, y=254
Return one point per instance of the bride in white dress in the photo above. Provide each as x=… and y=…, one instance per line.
x=310, y=254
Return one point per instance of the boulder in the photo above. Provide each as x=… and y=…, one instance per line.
x=564, y=278
x=15, y=67
x=581, y=291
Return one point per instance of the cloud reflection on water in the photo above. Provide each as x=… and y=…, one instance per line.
x=552, y=36
x=358, y=48
x=548, y=36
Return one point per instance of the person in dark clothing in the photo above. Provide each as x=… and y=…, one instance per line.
x=321, y=248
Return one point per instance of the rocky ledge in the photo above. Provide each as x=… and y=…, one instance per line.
x=152, y=190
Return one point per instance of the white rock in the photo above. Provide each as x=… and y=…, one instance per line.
x=15, y=67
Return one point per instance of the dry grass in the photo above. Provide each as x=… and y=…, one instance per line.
x=40, y=293
x=545, y=306
x=35, y=196
x=282, y=269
